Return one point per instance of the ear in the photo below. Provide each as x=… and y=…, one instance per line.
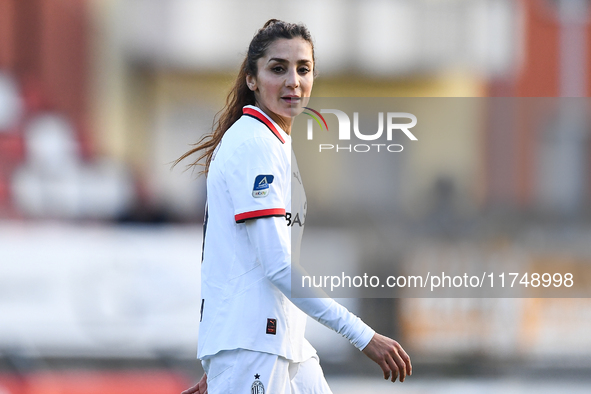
x=251, y=82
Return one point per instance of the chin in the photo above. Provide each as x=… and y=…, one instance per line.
x=292, y=110
x=287, y=112
x=296, y=110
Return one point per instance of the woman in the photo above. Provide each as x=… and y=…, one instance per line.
x=252, y=333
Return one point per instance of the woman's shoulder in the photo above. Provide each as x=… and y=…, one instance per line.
x=243, y=152
x=250, y=134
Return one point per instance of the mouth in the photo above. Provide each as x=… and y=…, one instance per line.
x=291, y=99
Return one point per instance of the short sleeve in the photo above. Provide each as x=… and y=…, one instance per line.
x=256, y=176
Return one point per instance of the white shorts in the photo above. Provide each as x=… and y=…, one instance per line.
x=242, y=371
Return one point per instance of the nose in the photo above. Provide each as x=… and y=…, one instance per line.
x=292, y=79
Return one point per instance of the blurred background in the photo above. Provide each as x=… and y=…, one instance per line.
x=100, y=240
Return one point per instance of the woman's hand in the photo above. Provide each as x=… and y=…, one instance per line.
x=390, y=356
x=199, y=388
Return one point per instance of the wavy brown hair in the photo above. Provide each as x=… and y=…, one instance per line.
x=240, y=95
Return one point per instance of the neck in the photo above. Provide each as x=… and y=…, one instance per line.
x=284, y=123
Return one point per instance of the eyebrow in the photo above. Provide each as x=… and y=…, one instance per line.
x=278, y=59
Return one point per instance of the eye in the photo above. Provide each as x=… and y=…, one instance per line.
x=277, y=69
x=304, y=70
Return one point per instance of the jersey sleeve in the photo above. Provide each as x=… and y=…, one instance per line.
x=270, y=238
x=256, y=179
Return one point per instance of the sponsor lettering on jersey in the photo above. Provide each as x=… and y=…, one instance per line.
x=297, y=218
x=261, y=185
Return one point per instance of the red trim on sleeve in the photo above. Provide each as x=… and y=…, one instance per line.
x=263, y=213
x=258, y=115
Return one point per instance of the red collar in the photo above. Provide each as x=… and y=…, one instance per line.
x=258, y=115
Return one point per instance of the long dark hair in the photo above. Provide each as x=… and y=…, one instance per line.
x=240, y=95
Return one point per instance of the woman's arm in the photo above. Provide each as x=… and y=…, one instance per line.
x=270, y=238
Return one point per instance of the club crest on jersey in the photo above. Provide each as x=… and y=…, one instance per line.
x=261, y=185
x=257, y=386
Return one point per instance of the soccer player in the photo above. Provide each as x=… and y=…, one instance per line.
x=251, y=334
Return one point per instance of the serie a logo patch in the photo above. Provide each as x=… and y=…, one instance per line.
x=261, y=185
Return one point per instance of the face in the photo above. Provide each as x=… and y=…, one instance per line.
x=285, y=76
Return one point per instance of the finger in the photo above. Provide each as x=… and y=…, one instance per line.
x=401, y=366
x=406, y=358
x=393, y=367
x=192, y=390
x=199, y=388
x=385, y=368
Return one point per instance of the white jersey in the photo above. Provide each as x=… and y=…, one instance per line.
x=247, y=263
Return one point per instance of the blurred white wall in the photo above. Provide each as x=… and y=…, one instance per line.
x=70, y=290
x=379, y=37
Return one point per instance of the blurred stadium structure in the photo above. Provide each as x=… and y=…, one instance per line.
x=100, y=240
